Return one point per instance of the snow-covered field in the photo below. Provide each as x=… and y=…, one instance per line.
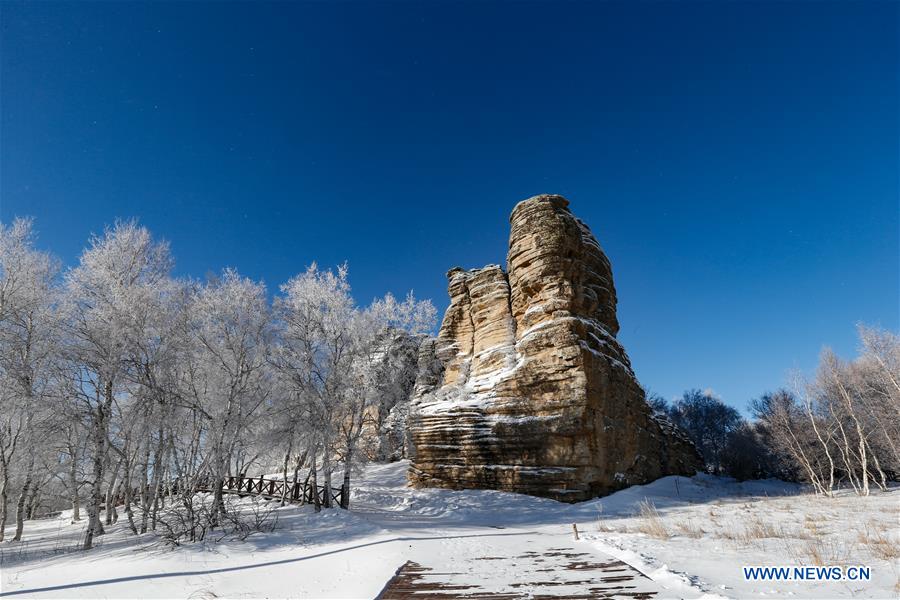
x=692, y=539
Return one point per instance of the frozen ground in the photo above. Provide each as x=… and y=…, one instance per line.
x=691, y=543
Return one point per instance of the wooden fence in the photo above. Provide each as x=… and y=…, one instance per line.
x=273, y=489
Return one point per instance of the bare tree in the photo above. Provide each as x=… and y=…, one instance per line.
x=708, y=422
x=846, y=422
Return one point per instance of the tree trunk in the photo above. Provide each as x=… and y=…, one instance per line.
x=345, y=486
x=157, y=477
x=812, y=420
x=326, y=469
x=4, y=485
x=299, y=463
x=314, y=486
x=284, y=479
x=73, y=483
x=294, y=480
x=117, y=493
x=94, y=499
x=129, y=499
x=110, y=493
x=20, y=504
x=34, y=502
x=218, y=506
x=145, y=492
x=881, y=482
x=157, y=494
x=219, y=467
x=95, y=527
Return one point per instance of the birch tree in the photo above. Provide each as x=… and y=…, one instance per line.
x=230, y=327
x=118, y=268
x=29, y=340
x=841, y=425
x=325, y=355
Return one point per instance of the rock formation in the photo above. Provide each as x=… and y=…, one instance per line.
x=526, y=388
x=394, y=365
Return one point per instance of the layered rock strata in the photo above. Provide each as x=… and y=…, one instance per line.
x=526, y=388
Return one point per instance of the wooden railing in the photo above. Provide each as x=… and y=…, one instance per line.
x=273, y=489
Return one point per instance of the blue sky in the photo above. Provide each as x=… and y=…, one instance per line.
x=737, y=161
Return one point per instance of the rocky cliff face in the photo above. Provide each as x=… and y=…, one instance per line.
x=526, y=388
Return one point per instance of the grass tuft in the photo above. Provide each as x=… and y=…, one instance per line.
x=650, y=522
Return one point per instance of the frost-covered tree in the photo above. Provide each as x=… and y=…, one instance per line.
x=394, y=368
x=29, y=344
x=227, y=380
x=315, y=354
x=327, y=351
x=382, y=372
x=123, y=387
x=105, y=295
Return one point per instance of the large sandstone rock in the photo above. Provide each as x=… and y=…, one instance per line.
x=526, y=388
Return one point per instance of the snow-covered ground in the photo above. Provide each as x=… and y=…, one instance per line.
x=694, y=536
x=707, y=528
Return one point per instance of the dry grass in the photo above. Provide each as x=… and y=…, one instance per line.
x=755, y=529
x=817, y=552
x=650, y=522
x=605, y=527
x=759, y=529
x=810, y=539
x=812, y=526
x=690, y=529
x=878, y=543
x=799, y=534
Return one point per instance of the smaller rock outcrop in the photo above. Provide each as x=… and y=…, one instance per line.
x=385, y=434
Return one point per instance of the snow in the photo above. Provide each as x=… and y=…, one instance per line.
x=341, y=554
x=717, y=525
x=534, y=308
x=613, y=361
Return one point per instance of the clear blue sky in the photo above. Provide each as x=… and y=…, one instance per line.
x=737, y=161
